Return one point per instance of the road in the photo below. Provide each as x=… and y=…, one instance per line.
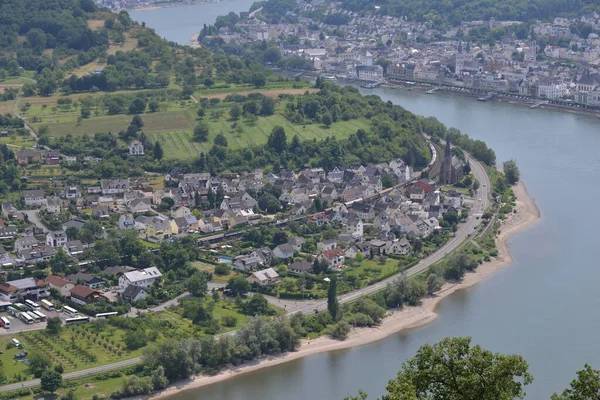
x=27, y=127
x=463, y=232
x=309, y=306
x=33, y=217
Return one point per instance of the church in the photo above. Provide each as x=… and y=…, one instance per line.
x=452, y=169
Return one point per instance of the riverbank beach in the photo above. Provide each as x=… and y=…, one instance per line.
x=409, y=317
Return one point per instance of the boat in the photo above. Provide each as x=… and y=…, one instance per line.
x=329, y=78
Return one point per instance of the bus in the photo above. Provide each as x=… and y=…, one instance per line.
x=70, y=311
x=36, y=318
x=20, y=306
x=16, y=342
x=47, y=305
x=5, y=322
x=77, y=320
x=26, y=318
x=106, y=314
x=12, y=311
x=32, y=305
x=42, y=316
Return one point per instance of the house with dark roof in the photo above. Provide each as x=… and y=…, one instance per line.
x=300, y=267
x=134, y=293
x=35, y=198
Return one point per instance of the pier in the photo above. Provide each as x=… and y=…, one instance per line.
x=486, y=98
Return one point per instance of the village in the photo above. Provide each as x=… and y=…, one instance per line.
x=552, y=60
x=274, y=229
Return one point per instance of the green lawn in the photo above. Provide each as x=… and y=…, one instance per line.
x=211, y=268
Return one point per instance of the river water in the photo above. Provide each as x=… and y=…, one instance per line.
x=543, y=306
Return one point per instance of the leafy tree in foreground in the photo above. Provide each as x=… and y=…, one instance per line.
x=54, y=325
x=454, y=370
x=51, y=381
x=585, y=387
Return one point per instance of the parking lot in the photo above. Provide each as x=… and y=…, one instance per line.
x=16, y=325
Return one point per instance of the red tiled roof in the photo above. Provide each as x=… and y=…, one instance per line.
x=331, y=254
x=56, y=281
x=82, y=291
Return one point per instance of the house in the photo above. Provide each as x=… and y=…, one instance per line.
x=354, y=226
x=335, y=257
x=101, y=211
x=265, y=255
x=35, y=198
x=182, y=212
x=80, y=278
x=400, y=247
x=25, y=243
x=114, y=186
x=56, y=238
x=296, y=242
x=416, y=193
x=84, y=295
x=74, y=223
x=327, y=245
x=51, y=157
x=25, y=157
x=26, y=288
x=352, y=252
x=126, y=221
x=136, y=148
x=139, y=205
x=53, y=206
x=264, y=277
x=377, y=247
x=9, y=211
x=300, y=267
x=246, y=262
x=73, y=248
x=62, y=285
x=134, y=293
x=8, y=232
x=143, y=278
x=283, y=251
x=36, y=254
x=71, y=192
x=364, y=211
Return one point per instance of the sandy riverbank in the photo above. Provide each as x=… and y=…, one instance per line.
x=410, y=317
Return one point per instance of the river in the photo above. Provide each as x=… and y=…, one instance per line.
x=543, y=306
x=177, y=24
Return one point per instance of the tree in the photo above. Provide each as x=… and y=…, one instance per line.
x=326, y=119
x=159, y=380
x=153, y=106
x=221, y=140
x=38, y=363
x=54, y=325
x=201, y=132
x=339, y=330
x=257, y=305
x=238, y=285
x=333, y=306
x=235, y=112
x=453, y=369
x=50, y=381
x=280, y=237
x=197, y=284
x=137, y=122
x=511, y=172
x=387, y=181
x=434, y=283
x=258, y=79
x=137, y=106
x=277, y=139
x=585, y=387
x=158, y=151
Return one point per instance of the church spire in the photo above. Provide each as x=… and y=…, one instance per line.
x=447, y=153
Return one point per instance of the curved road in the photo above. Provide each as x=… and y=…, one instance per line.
x=462, y=234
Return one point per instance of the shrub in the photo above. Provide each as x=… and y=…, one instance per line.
x=339, y=331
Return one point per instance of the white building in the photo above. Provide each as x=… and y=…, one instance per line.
x=136, y=148
x=142, y=278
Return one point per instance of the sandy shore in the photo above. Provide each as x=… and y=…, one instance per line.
x=410, y=317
